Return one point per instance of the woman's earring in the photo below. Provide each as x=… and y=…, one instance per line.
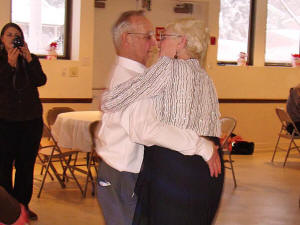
x=176, y=56
x=1, y=46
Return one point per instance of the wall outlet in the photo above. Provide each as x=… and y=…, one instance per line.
x=73, y=71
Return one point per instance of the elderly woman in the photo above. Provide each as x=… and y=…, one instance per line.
x=172, y=188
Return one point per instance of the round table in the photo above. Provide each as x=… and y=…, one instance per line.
x=71, y=129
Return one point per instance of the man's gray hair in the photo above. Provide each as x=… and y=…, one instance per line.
x=123, y=25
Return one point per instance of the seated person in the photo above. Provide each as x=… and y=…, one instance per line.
x=11, y=211
x=293, y=107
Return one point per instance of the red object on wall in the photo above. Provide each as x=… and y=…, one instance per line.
x=158, y=31
x=212, y=40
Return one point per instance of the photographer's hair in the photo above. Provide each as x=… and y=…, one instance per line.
x=196, y=34
x=6, y=26
x=123, y=24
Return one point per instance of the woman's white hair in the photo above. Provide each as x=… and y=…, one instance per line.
x=122, y=25
x=196, y=34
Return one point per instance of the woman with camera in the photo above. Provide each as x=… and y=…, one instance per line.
x=21, y=123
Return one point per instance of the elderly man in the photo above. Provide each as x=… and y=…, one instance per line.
x=123, y=134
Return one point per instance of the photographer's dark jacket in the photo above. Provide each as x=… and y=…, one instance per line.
x=19, y=97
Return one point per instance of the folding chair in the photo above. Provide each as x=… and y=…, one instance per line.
x=92, y=158
x=227, y=126
x=286, y=120
x=45, y=138
x=53, y=154
x=50, y=118
x=53, y=112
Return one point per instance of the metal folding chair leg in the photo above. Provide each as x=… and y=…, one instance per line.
x=71, y=169
x=89, y=177
x=73, y=175
x=287, y=154
x=44, y=167
x=49, y=164
x=232, y=170
x=275, y=150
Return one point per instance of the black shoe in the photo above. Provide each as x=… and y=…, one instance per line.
x=32, y=215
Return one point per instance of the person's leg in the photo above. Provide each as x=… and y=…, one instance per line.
x=25, y=160
x=115, y=195
x=298, y=125
x=182, y=185
x=290, y=128
x=9, y=207
x=7, y=154
x=11, y=211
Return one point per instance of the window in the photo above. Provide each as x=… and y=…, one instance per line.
x=43, y=22
x=237, y=28
x=233, y=29
x=283, y=30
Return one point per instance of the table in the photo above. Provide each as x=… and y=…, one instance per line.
x=71, y=129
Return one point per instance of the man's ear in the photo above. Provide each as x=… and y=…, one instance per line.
x=124, y=38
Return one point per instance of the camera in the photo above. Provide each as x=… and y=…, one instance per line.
x=18, y=42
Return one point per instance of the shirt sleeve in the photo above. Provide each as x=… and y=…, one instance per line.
x=37, y=76
x=144, y=85
x=143, y=128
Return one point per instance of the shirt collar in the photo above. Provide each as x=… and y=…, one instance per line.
x=131, y=64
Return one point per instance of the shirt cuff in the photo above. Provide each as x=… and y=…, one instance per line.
x=205, y=148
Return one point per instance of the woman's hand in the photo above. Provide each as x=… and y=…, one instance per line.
x=12, y=56
x=214, y=163
x=26, y=53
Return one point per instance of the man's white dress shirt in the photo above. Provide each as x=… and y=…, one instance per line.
x=122, y=136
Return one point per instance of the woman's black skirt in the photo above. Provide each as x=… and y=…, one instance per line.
x=174, y=189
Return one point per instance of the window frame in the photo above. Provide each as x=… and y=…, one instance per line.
x=67, y=30
x=251, y=40
x=276, y=63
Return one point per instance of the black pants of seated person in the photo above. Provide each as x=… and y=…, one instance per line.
x=290, y=127
x=174, y=189
x=10, y=208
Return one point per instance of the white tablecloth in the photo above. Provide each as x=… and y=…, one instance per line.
x=71, y=129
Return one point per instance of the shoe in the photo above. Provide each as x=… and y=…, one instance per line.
x=31, y=215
